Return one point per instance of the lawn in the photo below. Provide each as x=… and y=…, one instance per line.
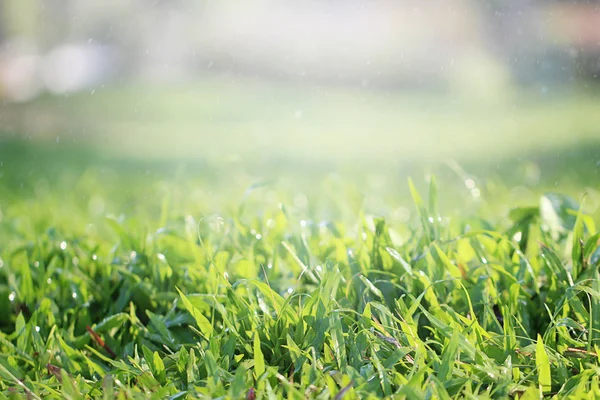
x=235, y=239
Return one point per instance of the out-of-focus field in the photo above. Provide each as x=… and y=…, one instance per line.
x=239, y=131
x=224, y=116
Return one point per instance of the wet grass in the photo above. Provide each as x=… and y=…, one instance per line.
x=262, y=276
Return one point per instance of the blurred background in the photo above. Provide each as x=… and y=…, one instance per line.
x=503, y=88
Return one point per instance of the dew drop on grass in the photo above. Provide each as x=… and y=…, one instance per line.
x=470, y=184
x=303, y=223
x=290, y=290
x=258, y=236
x=49, y=281
x=74, y=295
x=37, y=328
x=161, y=257
x=484, y=260
x=63, y=245
x=12, y=296
x=270, y=266
x=475, y=193
x=36, y=264
x=319, y=268
x=518, y=236
x=94, y=257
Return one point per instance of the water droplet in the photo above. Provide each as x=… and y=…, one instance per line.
x=430, y=220
x=258, y=236
x=270, y=266
x=270, y=223
x=518, y=236
x=319, y=268
x=49, y=281
x=161, y=257
x=290, y=290
x=364, y=235
x=36, y=264
x=350, y=253
x=12, y=296
x=74, y=295
x=94, y=257
x=484, y=260
x=37, y=328
x=303, y=223
x=63, y=245
x=475, y=193
x=470, y=184
x=225, y=275
x=133, y=255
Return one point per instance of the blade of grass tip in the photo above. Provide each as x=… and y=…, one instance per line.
x=421, y=209
x=432, y=197
x=259, y=362
x=442, y=258
x=337, y=338
x=396, y=256
x=449, y=357
x=577, y=251
x=595, y=310
x=542, y=363
x=298, y=261
x=190, y=371
x=433, y=210
x=203, y=323
x=415, y=194
x=259, y=358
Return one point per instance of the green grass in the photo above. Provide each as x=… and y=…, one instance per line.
x=137, y=275
x=151, y=285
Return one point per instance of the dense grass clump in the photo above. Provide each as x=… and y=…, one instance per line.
x=138, y=286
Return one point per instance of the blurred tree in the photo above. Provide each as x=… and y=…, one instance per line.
x=2, y=22
x=20, y=17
